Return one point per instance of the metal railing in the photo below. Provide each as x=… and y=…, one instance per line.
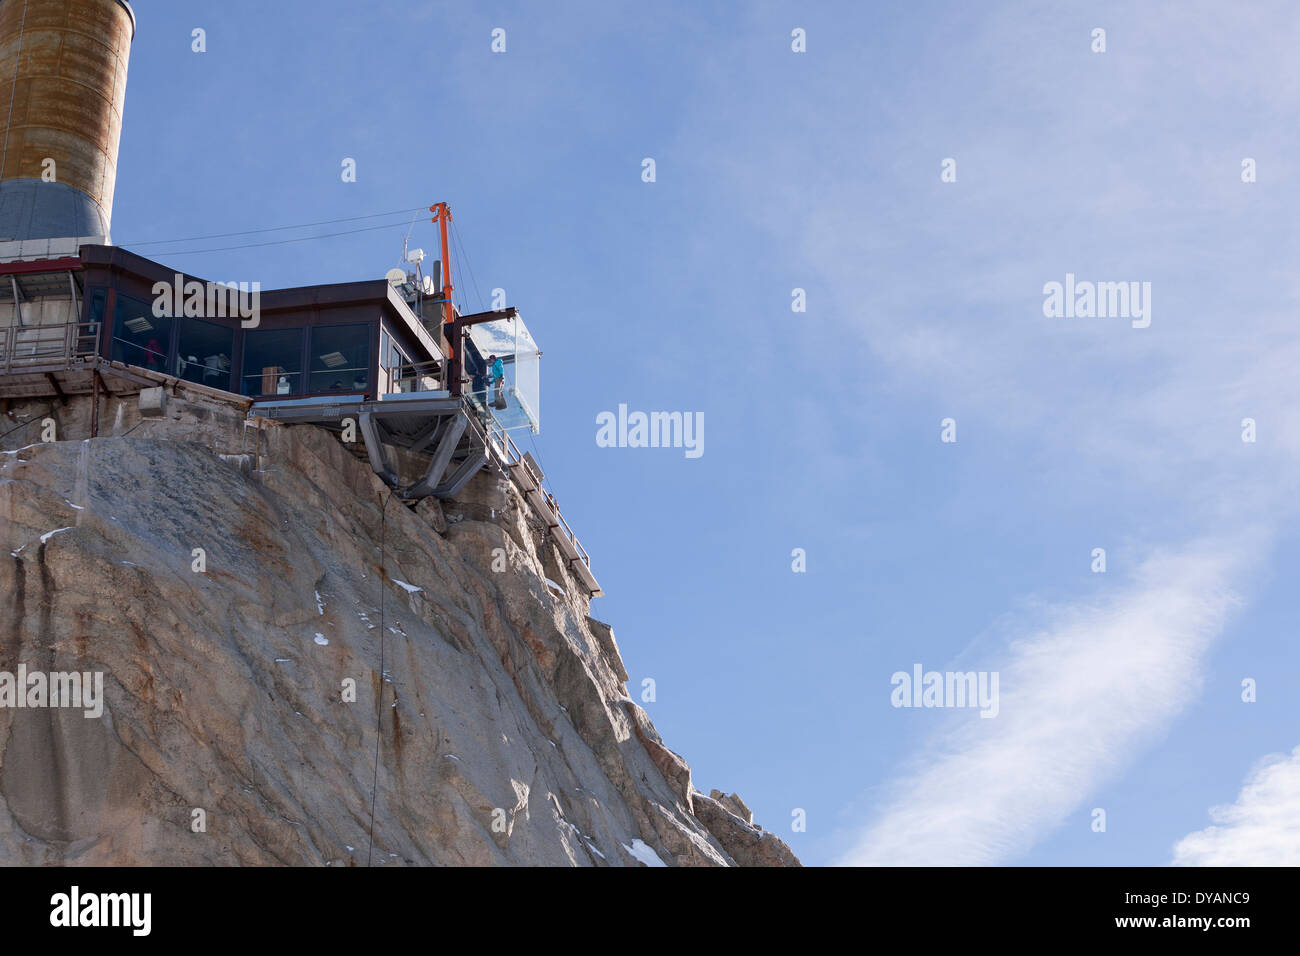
x=413, y=377
x=509, y=452
x=24, y=346
x=272, y=380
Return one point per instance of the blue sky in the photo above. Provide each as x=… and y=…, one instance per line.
x=778, y=170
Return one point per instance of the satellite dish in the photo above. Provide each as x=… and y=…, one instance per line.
x=395, y=276
x=427, y=285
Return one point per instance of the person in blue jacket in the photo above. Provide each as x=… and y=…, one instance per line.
x=498, y=381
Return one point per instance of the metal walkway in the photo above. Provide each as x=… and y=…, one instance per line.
x=419, y=423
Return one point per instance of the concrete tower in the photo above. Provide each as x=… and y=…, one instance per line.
x=62, y=87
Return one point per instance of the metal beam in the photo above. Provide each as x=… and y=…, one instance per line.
x=474, y=318
x=375, y=448
x=464, y=472
x=18, y=309
x=20, y=267
x=441, y=458
x=427, y=435
x=310, y=411
x=76, y=306
x=128, y=376
x=54, y=384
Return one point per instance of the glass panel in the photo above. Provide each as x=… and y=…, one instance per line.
x=340, y=358
x=393, y=377
x=98, y=306
x=528, y=375
x=476, y=369
x=272, y=362
x=505, y=372
x=89, y=334
x=203, y=353
x=140, y=337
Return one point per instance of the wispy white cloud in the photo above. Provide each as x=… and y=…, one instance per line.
x=1261, y=829
x=1078, y=698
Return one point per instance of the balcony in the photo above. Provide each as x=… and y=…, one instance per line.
x=513, y=400
x=46, y=347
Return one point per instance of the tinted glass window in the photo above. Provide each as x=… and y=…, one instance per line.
x=140, y=337
x=98, y=306
x=203, y=353
x=340, y=358
x=272, y=362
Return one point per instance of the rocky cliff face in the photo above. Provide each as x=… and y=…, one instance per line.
x=328, y=656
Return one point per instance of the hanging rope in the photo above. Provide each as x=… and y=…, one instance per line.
x=253, y=232
x=464, y=256
x=379, y=716
x=274, y=242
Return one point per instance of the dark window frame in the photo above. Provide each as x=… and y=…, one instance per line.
x=169, y=346
x=299, y=376
x=234, y=335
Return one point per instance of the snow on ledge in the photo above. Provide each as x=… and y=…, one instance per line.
x=642, y=852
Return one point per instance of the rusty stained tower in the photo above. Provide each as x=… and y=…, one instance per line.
x=63, y=66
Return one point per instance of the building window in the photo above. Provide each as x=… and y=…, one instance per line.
x=395, y=371
x=273, y=362
x=340, y=358
x=98, y=306
x=203, y=353
x=96, y=312
x=140, y=337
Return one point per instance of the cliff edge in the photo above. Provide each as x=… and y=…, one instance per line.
x=287, y=649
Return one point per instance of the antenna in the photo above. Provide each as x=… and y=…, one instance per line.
x=402, y=280
x=407, y=237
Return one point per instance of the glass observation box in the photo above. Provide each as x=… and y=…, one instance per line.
x=504, y=367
